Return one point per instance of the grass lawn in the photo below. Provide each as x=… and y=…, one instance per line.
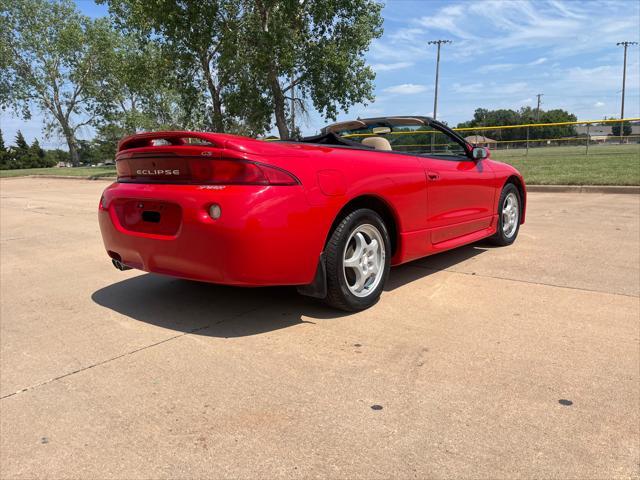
x=605, y=164
x=86, y=172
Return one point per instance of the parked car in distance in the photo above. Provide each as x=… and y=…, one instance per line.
x=330, y=213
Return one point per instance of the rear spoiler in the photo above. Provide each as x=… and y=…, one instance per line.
x=227, y=141
x=173, y=138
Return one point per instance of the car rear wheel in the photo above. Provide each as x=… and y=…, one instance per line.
x=509, y=210
x=357, y=261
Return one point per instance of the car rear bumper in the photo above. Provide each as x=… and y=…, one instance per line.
x=266, y=235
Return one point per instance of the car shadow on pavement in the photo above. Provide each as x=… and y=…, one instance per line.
x=426, y=266
x=223, y=311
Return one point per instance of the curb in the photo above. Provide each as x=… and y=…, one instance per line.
x=633, y=189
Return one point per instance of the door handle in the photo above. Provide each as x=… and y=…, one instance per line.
x=433, y=176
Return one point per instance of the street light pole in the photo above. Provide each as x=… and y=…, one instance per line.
x=439, y=43
x=624, y=81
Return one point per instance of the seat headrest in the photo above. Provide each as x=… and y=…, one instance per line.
x=378, y=143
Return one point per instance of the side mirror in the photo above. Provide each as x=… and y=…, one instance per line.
x=478, y=153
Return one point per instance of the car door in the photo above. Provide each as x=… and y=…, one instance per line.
x=460, y=190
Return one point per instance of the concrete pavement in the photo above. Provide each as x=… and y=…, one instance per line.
x=132, y=375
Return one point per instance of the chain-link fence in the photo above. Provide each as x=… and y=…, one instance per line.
x=542, y=139
x=559, y=139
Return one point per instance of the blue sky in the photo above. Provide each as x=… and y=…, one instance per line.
x=503, y=54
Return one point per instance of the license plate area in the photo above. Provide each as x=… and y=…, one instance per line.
x=149, y=216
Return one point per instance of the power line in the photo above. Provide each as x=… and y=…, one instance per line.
x=435, y=99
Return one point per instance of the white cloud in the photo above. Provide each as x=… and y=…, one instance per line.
x=468, y=88
x=565, y=28
x=539, y=61
x=497, y=67
x=510, y=88
x=406, y=89
x=506, y=67
x=448, y=19
x=387, y=67
x=598, y=104
x=602, y=78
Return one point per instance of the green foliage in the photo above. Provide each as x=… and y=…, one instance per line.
x=526, y=115
x=221, y=65
x=21, y=144
x=316, y=46
x=626, y=129
x=51, y=58
x=191, y=36
x=140, y=88
x=22, y=155
x=56, y=156
x=236, y=61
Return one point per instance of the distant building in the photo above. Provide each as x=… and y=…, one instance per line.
x=603, y=130
x=481, y=141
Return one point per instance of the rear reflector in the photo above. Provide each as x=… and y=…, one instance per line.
x=215, y=211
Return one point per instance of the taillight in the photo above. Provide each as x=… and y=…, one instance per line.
x=238, y=172
x=123, y=169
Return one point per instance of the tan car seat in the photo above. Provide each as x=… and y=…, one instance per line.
x=378, y=143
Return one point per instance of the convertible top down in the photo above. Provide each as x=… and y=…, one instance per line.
x=330, y=213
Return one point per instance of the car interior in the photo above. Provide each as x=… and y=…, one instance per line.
x=408, y=135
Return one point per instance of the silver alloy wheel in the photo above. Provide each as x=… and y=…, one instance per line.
x=363, y=260
x=510, y=215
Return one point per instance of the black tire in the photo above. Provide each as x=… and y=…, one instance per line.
x=339, y=294
x=502, y=238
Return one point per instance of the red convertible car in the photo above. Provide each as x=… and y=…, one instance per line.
x=330, y=214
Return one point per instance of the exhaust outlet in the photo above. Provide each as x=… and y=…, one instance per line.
x=119, y=265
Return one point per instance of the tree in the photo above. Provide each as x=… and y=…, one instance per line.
x=316, y=46
x=53, y=157
x=4, y=154
x=626, y=129
x=36, y=151
x=87, y=153
x=554, y=116
x=192, y=34
x=21, y=154
x=238, y=60
x=526, y=115
x=22, y=147
x=141, y=88
x=51, y=59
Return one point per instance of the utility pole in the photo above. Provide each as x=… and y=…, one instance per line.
x=439, y=43
x=539, y=95
x=624, y=81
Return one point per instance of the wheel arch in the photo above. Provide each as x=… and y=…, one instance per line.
x=378, y=205
x=517, y=181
